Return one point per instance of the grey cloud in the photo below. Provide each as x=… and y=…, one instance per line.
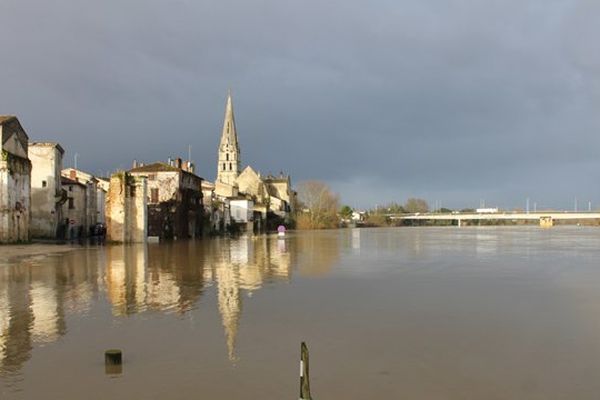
x=451, y=100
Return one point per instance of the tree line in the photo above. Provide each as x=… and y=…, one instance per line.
x=318, y=207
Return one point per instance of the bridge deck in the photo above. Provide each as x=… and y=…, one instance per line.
x=500, y=216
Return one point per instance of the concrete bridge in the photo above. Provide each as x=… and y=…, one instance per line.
x=546, y=219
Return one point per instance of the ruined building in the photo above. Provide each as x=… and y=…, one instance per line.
x=15, y=182
x=47, y=196
x=126, y=209
x=175, y=209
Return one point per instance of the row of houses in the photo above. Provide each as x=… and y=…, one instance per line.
x=161, y=200
x=40, y=199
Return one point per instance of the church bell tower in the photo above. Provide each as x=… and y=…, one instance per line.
x=228, y=166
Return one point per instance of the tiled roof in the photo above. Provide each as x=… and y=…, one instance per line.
x=156, y=167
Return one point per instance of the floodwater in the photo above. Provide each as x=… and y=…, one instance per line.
x=415, y=313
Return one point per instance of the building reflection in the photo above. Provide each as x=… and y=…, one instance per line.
x=125, y=278
x=243, y=265
x=37, y=295
x=34, y=299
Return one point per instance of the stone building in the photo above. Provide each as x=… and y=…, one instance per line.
x=15, y=182
x=93, y=196
x=74, y=209
x=103, y=186
x=216, y=210
x=282, y=198
x=47, y=196
x=126, y=209
x=175, y=209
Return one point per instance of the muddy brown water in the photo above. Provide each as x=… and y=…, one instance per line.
x=415, y=313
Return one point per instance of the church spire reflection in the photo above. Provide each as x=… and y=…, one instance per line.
x=37, y=295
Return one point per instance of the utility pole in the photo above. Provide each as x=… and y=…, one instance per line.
x=527, y=205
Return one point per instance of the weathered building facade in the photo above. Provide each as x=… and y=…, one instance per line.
x=282, y=198
x=47, y=196
x=74, y=210
x=15, y=182
x=126, y=209
x=93, y=195
x=216, y=209
x=103, y=186
x=175, y=209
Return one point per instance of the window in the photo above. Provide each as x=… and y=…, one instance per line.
x=71, y=203
x=70, y=188
x=227, y=156
x=44, y=183
x=230, y=166
x=151, y=177
x=224, y=167
x=154, y=195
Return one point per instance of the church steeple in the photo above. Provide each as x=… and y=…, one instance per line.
x=228, y=166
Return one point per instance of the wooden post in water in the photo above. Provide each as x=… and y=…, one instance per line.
x=113, y=360
x=304, y=377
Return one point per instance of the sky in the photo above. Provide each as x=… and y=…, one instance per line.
x=458, y=102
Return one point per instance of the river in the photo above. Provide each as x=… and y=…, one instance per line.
x=389, y=313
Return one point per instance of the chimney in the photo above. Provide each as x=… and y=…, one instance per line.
x=170, y=162
x=179, y=163
x=135, y=164
x=73, y=174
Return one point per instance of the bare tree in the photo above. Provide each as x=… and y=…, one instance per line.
x=318, y=206
x=416, y=206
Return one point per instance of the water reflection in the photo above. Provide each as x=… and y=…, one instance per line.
x=35, y=296
x=38, y=294
x=245, y=265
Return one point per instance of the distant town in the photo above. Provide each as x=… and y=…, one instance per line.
x=168, y=199
x=39, y=199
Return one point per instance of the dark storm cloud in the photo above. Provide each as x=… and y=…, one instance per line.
x=455, y=101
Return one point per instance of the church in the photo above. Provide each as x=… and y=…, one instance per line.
x=262, y=199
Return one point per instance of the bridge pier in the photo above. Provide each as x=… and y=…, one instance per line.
x=546, y=222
